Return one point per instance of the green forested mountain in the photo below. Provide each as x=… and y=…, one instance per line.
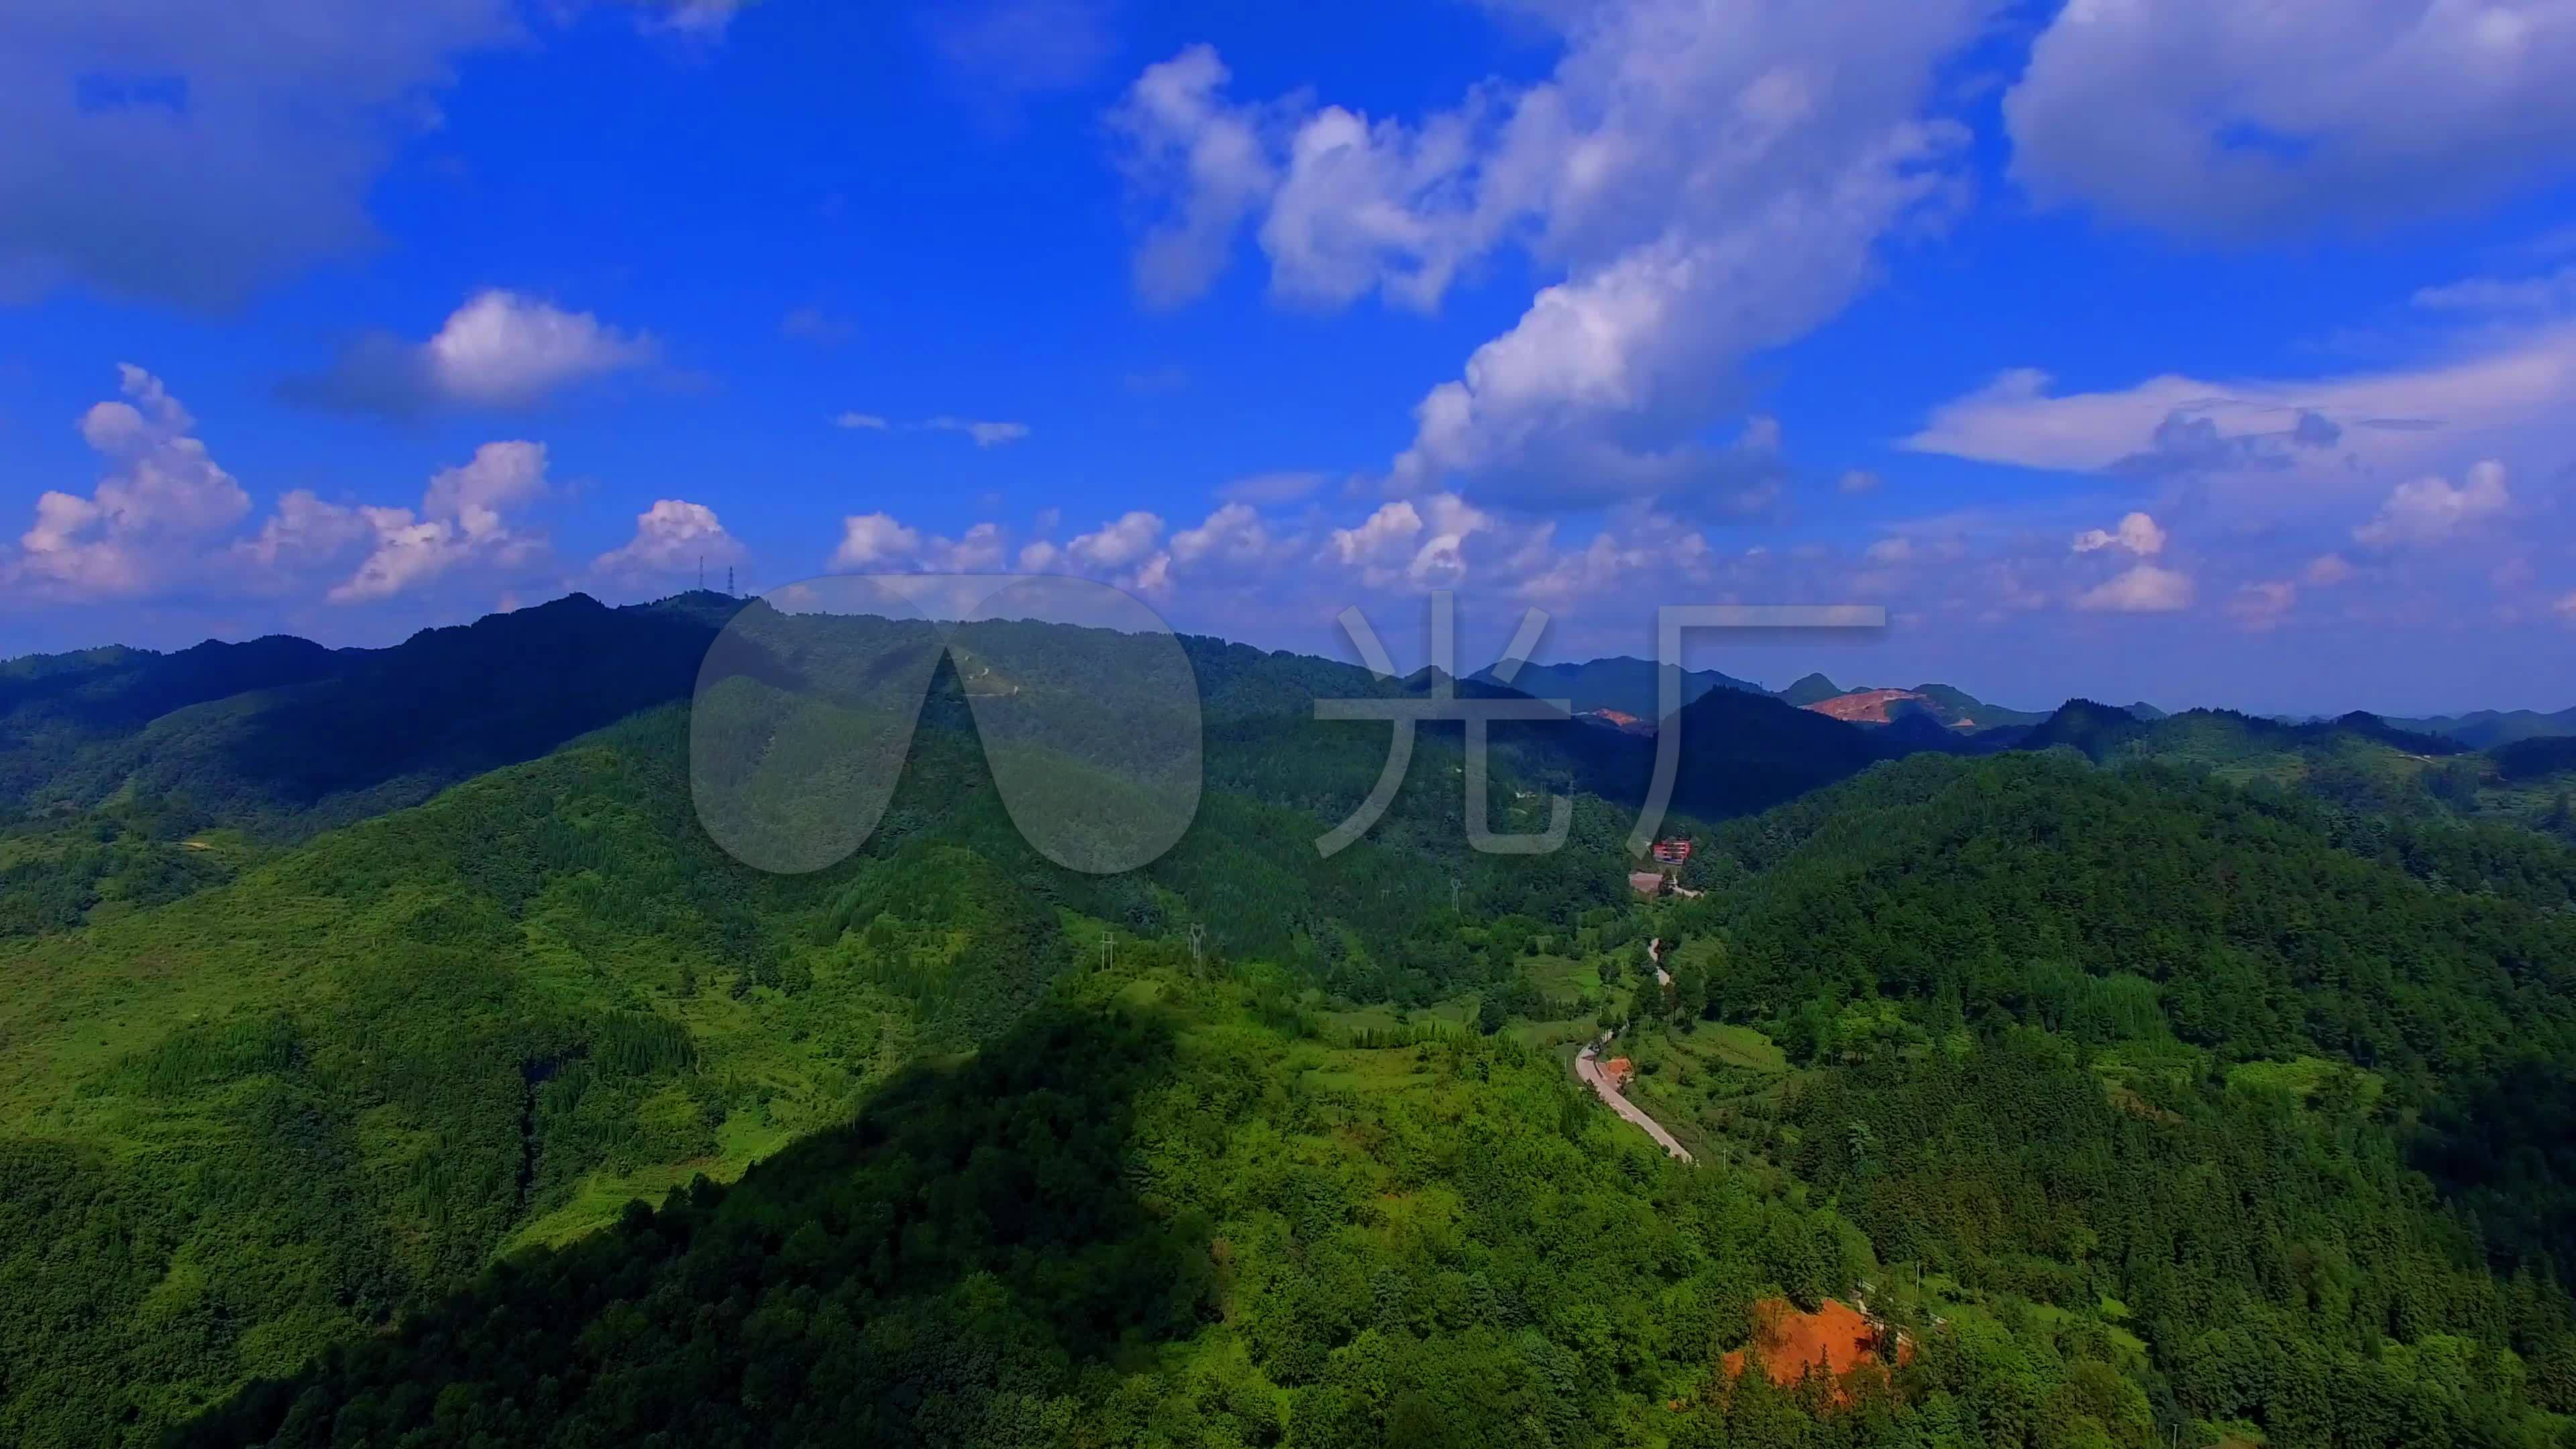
x=1621, y=682
x=2162, y=1099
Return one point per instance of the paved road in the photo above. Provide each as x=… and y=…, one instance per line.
x=1587, y=1065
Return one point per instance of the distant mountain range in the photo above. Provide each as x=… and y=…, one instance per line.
x=2487, y=728
x=1620, y=692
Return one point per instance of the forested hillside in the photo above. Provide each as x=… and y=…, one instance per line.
x=2143, y=1093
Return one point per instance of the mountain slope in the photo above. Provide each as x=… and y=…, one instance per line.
x=284, y=737
x=1627, y=685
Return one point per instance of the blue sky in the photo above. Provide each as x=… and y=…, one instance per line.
x=2195, y=352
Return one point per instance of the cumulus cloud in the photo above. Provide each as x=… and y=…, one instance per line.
x=1234, y=533
x=978, y=550
x=1181, y=140
x=461, y=520
x=1706, y=181
x=2430, y=510
x=2137, y=533
x=163, y=519
x=673, y=536
x=1857, y=480
x=2220, y=118
x=2327, y=570
x=2143, y=589
x=2566, y=606
x=162, y=494
x=191, y=153
x=303, y=529
x=1114, y=545
x=1615, y=561
x=874, y=540
x=499, y=350
x=1422, y=545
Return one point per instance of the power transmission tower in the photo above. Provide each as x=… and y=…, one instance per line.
x=1198, y=945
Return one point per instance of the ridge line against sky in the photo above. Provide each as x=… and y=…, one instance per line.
x=2173, y=352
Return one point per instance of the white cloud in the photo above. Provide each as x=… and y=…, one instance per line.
x=1707, y=181
x=694, y=20
x=1889, y=551
x=504, y=349
x=673, y=536
x=1234, y=533
x=2429, y=510
x=1039, y=557
x=2505, y=388
x=985, y=434
x=303, y=529
x=194, y=153
x=2144, y=589
x=1114, y=545
x=979, y=550
x=874, y=540
x=2218, y=117
x=2137, y=533
x=461, y=520
x=2566, y=605
x=2552, y=293
x=1858, y=480
x=1394, y=526
x=1424, y=545
x=1179, y=137
x=162, y=494
x=2327, y=570
x=498, y=350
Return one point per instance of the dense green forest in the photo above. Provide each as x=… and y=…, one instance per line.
x=2157, y=1085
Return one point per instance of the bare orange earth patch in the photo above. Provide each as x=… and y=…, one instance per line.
x=1863, y=706
x=1835, y=1336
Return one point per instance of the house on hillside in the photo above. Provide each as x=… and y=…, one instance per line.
x=1647, y=883
x=1618, y=1072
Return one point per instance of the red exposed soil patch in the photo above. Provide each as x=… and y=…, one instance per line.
x=1619, y=720
x=1862, y=706
x=1835, y=1336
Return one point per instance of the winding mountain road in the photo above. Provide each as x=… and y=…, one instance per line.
x=1587, y=1067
